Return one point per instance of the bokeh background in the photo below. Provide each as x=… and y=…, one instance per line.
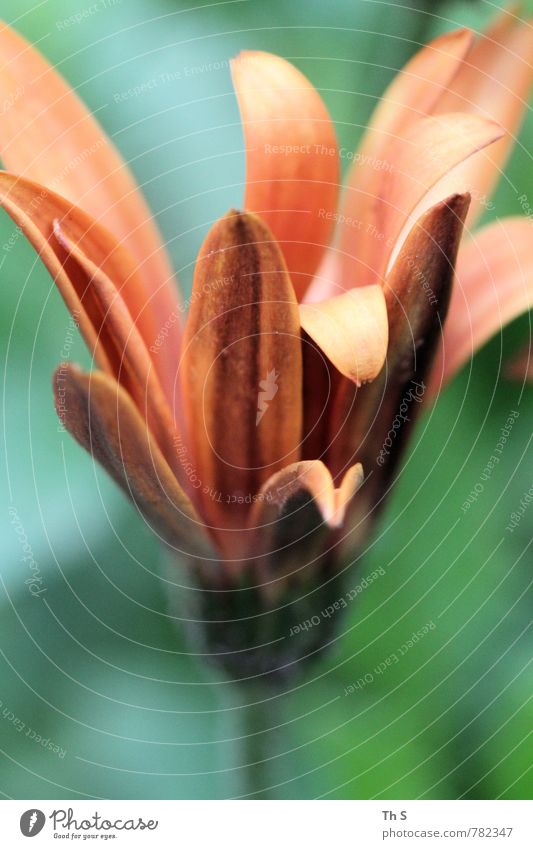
x=96, y=665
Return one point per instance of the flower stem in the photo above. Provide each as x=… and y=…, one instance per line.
x=258, y=740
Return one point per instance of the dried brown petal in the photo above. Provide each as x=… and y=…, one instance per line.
x=372, y=423
x=101, y=416
x=241, y=367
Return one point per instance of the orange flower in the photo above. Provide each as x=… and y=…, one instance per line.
x=313, y=326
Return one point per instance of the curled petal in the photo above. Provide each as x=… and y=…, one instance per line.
x=103, y=419
x=494, y=286
x=352, y=330
x=20, y=199
x=292, y=163
x=306, y=479
x=35, y=209
x=294, y=522
x=429, y=151
x=417, y=291
x=241, y=366
x=50, y=137
x=124, y=345
x=412, y=95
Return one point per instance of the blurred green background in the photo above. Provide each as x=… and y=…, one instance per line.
x=96, y=664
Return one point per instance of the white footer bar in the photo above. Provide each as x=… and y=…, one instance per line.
x=268, y=824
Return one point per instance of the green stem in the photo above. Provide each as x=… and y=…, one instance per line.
x=258, y=739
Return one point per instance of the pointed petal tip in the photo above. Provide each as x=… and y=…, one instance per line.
x=244, y=216
x=264, y=59
x=247, y=55
x=239, y=228
x=239, y=57
x=463, y=36
x=458, y=203
x=350, y=484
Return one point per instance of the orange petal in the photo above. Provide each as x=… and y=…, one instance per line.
x=494, y=286
x=431, y=149
x=49, y=136
x=123, y=343
x=35, y=209
x=412, y=94
x=352, y=330
x=292, y=161
x=241, y=366
x=23, y=201
x=494, y=82
x=103, y=419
